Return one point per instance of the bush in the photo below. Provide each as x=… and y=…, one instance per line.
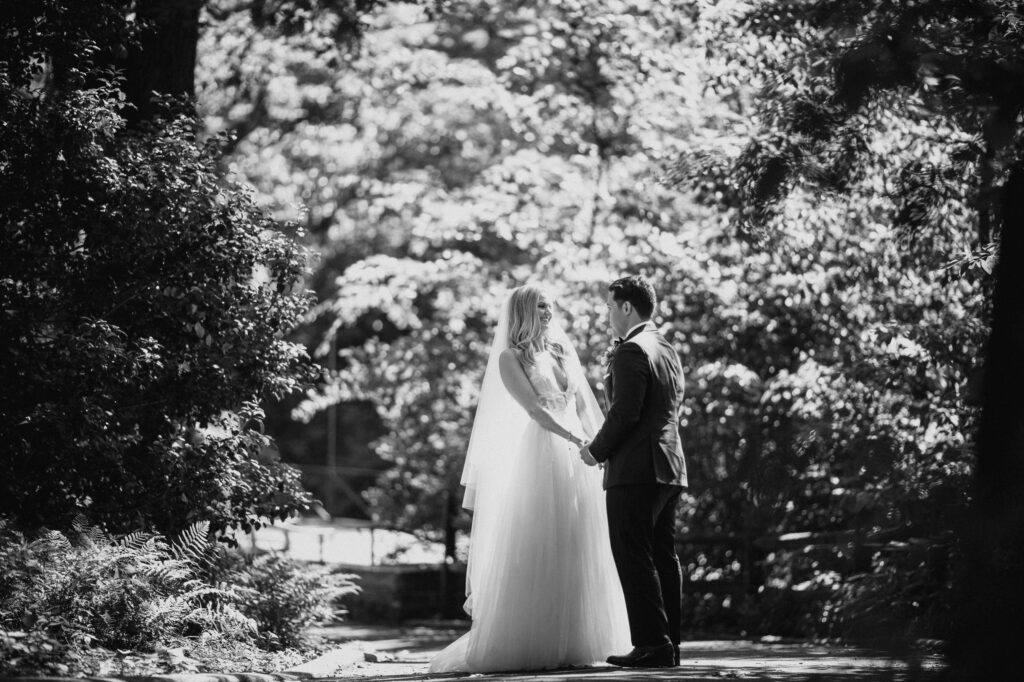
x=287, y=596
x=68, y=601
x=144, y=304
x=906, y=594
x=876, y=593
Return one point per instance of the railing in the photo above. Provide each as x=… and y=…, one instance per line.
x=343, y=541
x=334, y=482
x=847, y=552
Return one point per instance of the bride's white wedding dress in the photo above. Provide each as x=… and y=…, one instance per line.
x=543, y=591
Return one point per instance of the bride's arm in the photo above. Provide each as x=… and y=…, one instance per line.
x=517, y=383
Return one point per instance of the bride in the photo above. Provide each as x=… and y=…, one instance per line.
x=541, y=583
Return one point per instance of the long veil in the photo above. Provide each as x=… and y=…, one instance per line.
x=499, y=420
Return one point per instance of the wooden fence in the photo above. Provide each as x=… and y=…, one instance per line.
x=847, y=552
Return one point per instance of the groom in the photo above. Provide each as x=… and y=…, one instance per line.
x=644, y=473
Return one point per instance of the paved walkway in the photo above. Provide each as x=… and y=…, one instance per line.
x=403, y=654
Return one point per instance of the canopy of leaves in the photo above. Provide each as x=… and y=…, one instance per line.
x=905, y=117
x=461, y=153
x=427, y=207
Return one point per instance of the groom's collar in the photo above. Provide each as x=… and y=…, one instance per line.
x=636, y=329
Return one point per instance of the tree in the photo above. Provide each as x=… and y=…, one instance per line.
x=935, y=68
x=162, y=57
x=824, y=390
x=425, y=208
x=144, y=301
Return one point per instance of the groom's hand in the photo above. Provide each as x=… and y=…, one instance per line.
x=585, y=455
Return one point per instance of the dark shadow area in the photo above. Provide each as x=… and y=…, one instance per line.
x=691, y=674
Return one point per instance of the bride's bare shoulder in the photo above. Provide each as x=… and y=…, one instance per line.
x=509, y=354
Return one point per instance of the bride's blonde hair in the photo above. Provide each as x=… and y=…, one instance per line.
x=525, y=331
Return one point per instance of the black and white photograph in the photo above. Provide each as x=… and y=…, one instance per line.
x=581, y=340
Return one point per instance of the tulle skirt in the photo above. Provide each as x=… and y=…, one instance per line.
x=543, y=591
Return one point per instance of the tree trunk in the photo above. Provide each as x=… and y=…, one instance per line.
x=990, y=622
x=164, y=59
x=451, y=510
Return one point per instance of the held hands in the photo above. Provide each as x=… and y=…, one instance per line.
x=584, y=447
x=585, y=455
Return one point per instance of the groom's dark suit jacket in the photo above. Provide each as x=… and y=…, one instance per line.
x=639, y=441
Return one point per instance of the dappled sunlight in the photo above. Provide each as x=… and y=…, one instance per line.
x=254, y=254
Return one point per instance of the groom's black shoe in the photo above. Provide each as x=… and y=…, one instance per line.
x=660, y=656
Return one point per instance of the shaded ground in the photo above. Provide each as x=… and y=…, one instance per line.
x=403, y=653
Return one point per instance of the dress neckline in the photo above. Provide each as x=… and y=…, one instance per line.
x=561, y=376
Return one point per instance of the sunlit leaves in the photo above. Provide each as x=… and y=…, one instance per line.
x=824, y=374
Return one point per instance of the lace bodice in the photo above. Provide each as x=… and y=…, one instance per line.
x=544, y=378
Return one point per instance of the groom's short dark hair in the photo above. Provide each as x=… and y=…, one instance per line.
x=636, y=289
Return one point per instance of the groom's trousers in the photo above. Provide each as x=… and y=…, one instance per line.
x=641, y=522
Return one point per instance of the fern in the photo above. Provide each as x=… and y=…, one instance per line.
x=238, y=593
x=137, y=542
x=51, y=541
x=87, y=534
x=171, y=572
x=80, y=522
x=224, y=618
x=197, y=591
x=194, y=545
x=141, y=590
x=192, y=542
x=171, y=609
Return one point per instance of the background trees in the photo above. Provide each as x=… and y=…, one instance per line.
x=947, y=78
x=145, y=301
x=144, y=304
x=828, y=344
x=426, y=209
x=817, y=189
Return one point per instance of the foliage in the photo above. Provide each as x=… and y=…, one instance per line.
x=828, y=338
x=263, y=46
x=65, y=596
x=423, y=209
x=877, y=121
x=144, y=304
x=286, y=596
x=897, y=594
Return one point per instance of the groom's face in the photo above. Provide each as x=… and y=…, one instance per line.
x=616, y=316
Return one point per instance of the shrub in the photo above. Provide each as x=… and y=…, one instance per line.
x=906, y=594
x=144, y=304
x=288, y=596
x=63, y=597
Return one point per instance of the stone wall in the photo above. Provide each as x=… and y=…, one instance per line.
x=393, y=594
